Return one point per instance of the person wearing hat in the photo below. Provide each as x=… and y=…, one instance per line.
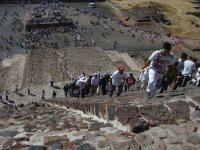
x=94, y=83
x=117, y=80
x=158, y=61
x=80, y=84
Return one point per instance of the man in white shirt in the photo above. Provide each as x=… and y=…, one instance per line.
x=80, y=84
x=117, y=80
x=94, y=83
x=158, y=61
x=189, y=69
x=179, y=78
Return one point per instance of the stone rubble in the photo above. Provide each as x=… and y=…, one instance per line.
x=46, y=125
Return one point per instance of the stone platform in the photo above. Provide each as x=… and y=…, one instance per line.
x=132, y=113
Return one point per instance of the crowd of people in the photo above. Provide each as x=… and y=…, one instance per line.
x=161, y=70
x=63, y=36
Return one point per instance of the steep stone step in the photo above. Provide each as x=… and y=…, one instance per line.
x=130, y=113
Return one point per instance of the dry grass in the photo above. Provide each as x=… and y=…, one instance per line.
x=175, y=10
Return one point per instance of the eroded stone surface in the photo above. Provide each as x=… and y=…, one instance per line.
x=145, y=139
x=160, y=145
x=126, y=113
x=55, y=127
x=193, y=138
x=179, y=109
x=156, y=113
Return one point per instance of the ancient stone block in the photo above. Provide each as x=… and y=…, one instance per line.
x=135, y=145
x=103, y=144
x=121, y=144
x=191, y=126
x=126, y=113
x=8, y=133
x=145, y=139
x=138, y=125
x=187, y=147
x=89, y=136
x=196, y=99
x=193, y=138
x=86, y=146
x=112, y=136
x=57, y=146
x=175, y=140
x=37, y=147
x=68, y=145
x=160, y=145
x=127, y=134
x=162, y=134
x=49, y=140
x=178, y=130
x=78, y=105
x=96, y=109
x=103, y=110
x=173, y=147
x=179, y=109
x=111, y=112
x=156, y=114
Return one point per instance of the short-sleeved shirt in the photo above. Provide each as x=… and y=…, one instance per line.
x=118, y=78
x=198, y=76
x=189, y=67
x=95, y=81
x=80, y=84
x=156, y=57
x=180, y=66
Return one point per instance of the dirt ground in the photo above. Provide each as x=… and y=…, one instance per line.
x=174, y=10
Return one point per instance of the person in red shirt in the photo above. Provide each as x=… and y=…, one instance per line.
x=130, y=81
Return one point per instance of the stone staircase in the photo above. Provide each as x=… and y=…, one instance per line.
x=131, y=112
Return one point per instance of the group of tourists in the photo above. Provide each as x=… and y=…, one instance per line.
x=161, y=70
x=98, y=84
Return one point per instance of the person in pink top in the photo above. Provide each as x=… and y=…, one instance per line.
x=130, y=81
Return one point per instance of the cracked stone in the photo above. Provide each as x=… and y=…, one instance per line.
x=144, y=139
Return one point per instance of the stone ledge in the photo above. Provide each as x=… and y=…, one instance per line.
x=127, y=114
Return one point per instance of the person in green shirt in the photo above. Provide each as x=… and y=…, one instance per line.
x=169, y=75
